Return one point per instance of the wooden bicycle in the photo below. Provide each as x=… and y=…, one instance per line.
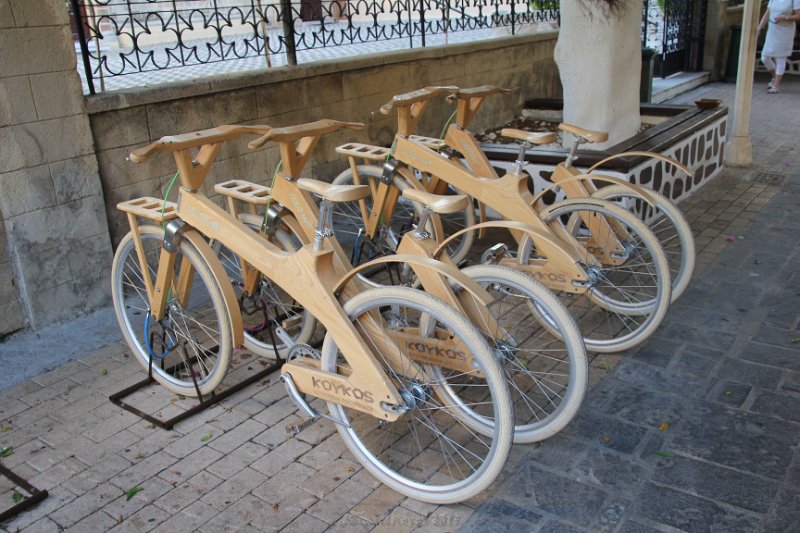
x=428, y=430
x=662, y=216
x=543, y=358
x=602, y=261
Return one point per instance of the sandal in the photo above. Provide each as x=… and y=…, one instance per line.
x=773, y=90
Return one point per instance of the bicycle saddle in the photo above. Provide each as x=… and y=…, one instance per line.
x=334, y=193
x=438, y=203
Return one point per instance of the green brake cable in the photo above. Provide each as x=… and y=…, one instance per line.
x=446, y=124
x=169, y=189
x=164, y=208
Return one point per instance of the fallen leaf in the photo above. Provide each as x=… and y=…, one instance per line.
x=104, y=372
x=664, y=426
x=350, y=469
x=132, y=492
x=795, y=340
x=17, y=497
x=5, y=452
x=275, y=507
x=119, y=519
x=728, y=392
x=664, y=454
x=606, y=438
x=207, y=437
x=6, y=429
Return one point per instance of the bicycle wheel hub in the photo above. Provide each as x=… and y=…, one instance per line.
x=594, y=275
x=505, y=352
x=414, y=394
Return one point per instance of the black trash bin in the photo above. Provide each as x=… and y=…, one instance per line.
x=732, y=67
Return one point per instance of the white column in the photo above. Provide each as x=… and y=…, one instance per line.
x=739, y=152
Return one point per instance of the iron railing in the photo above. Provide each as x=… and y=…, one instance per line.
x=675, y=30
x=125, y=43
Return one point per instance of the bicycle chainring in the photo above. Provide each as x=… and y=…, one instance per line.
x=302, y=350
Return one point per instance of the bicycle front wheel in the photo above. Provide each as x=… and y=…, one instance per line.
x=189, y=350
x=668, y=224
x=539, y=346
x=438, y=451
x=625, y=300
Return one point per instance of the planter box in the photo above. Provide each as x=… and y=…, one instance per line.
x=693, y=136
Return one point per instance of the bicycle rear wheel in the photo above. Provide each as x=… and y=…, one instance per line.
x=438, y=452
x=189, y=350
x=267, y=307
x=348, y=221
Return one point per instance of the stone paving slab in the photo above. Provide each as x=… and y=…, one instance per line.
x=697, y=430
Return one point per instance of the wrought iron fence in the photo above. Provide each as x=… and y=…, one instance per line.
x=129, y=38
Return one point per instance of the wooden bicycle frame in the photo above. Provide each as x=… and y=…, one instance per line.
x=433, y=275
x=307, y=275
x=560, y=271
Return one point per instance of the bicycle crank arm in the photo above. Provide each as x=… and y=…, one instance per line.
x=300, y=401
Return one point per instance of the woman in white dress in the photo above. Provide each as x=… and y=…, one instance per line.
x=781, y=16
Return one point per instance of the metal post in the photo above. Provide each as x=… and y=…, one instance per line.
x=513, y=16
x=422, y=20
x=263, y=16
x=288, y=32
x=87, y=67
x=409, y=9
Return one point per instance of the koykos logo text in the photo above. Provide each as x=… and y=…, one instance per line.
x=344, y=390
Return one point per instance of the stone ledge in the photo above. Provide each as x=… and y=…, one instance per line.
x=226, y=82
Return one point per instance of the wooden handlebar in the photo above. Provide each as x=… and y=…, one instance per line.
x=184, y=141
x=416, y=96
x=310, y=129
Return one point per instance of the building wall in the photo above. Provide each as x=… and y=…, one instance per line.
x=56, y=250
x=347, y=90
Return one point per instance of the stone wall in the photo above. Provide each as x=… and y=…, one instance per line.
x=56, y=253
x=345, y=90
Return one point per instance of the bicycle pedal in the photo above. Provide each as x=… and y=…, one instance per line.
x=292, y=324
x=294, y=429
x=493, y=255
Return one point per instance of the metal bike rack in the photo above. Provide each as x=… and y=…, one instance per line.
x=36, y=495
x=205, y=403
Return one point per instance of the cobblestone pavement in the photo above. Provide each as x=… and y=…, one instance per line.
x=698, y=430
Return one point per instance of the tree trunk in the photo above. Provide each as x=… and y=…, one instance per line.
x=599, y=60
